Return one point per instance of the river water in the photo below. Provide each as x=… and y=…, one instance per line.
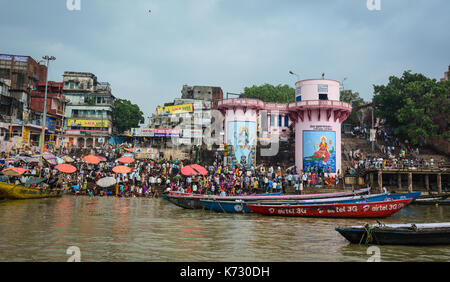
x=154, y=230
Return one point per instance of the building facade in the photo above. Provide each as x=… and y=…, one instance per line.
x=56, y=104
x=446, y=75
x=20, y=75
x=316, y=118
x=88, y=113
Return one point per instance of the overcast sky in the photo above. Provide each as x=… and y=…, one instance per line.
x=148, y=56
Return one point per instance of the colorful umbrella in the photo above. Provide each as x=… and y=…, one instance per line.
x=106, y=182
x=194, y=170
x=66, y=168
x=68, y=159
x=125, y=160
x=91, y=159
x=14, y=171
x=102, y=159
x=122, y=169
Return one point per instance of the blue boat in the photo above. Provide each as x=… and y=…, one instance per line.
x=239, y=206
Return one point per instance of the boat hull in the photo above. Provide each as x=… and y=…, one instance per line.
x=241, y=206
x=18, y=192
x=354, y=210
x=396, y=236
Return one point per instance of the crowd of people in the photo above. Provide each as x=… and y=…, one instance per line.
x=150, y=177
x=390, y=154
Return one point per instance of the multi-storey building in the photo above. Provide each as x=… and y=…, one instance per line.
x=21, y=74
x=55, y=108
x=88, y=114
x=446, y=75
x=184, y=121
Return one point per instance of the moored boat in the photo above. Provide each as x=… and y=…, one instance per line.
x=192, y=201
x=398, y=234
x=353, y=210
x=240, y=206
x=19, y=192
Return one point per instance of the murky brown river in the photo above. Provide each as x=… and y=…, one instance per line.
x=154, y=230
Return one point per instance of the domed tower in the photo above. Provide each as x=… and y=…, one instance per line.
x=241, y=122
x=318, y=114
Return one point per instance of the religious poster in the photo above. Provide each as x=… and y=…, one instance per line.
x=319, y=149
x=242, y=138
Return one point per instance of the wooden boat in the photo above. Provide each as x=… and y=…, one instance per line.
x=19, y=192
x=354, y=210
x=192, y=201
x=398, y=234
x=240, y=206
x=439, y=200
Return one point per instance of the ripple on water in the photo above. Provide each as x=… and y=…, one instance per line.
x=115, y=229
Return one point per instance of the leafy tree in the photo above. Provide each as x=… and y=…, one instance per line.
x=356, y=101
x=126, y=115
x=415, y=106
x=270, y=93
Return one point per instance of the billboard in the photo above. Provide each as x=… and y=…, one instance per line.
x=87, y=123
x=242, y=137
x=319, y=149
x=178, y=109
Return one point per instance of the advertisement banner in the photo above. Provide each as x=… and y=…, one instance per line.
x=178, y=109
x=25, y=135
x=319, y=150
x=242, y=138
x=167, y=132
x=87, y=123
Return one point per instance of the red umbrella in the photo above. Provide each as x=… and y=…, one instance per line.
x=125, y=160
x=14, y=171
x=66, y=168
x=194, y=170
x=91, y=159
x=102, y=159
x=122, y=169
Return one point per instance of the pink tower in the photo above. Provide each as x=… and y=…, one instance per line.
x=318, y=114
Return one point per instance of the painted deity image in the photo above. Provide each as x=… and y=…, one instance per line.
x=319, y=150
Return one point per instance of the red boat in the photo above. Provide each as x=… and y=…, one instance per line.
x=374, y=209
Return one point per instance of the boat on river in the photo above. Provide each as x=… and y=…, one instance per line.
x=240, y=206
x=355, y=210
x=398, y=234
x=20, y=192
x=192, y=201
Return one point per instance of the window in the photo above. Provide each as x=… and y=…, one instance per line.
x=323, y=96
x=286, y=121
x=272, y=120
x=298, y=98
x=323, y=88
x=280, y=120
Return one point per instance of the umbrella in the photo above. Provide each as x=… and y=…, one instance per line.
x=66, y=168
x=106, y=182
x=122, y=169
x=60, y=160
x=91, y=159
x=14, y=171
x=125, y=160
x=194, y=170
x=102, y=159
x=68, y=159
x=47, y=156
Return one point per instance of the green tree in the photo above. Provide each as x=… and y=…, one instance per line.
x=356, y=101
x=270, y=93
x=126, y=115
x=415, y=106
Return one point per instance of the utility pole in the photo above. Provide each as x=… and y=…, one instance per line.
x=373, y=138
x=44, y=118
